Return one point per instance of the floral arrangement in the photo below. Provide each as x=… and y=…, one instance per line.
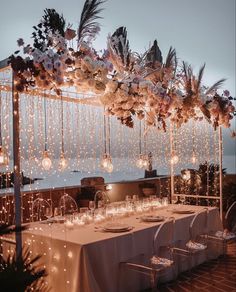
x=128, y=84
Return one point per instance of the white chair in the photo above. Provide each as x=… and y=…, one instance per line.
x=67, y=205
x=197, y=243
x=156, y=265
x=228, y=234
x=41, y=210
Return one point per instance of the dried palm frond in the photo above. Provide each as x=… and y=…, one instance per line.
x=54, y=21
x=22, y=274
x=200, y=75
x=88, y=26
x=154, y=54
x=188, y=76
x=6, y=229
x=215, y=86
x=118, y=46
x=171, y=60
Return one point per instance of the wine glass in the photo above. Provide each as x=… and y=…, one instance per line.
x=91, y=205
x=48, y=213
x=174, y=199
x=182, y=199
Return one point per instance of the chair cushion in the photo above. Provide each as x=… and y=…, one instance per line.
x=161, y=261
x=193, y=245
x=225, y=235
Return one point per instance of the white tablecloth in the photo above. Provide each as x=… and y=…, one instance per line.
x=85, y=259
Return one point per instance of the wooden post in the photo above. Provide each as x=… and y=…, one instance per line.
x=172, y=191
x=220, y=169
x=16, y=165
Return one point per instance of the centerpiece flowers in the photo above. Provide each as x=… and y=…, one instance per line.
x=128, y=84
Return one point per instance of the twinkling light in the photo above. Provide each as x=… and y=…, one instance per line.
x=63, y=163
x=3, y=156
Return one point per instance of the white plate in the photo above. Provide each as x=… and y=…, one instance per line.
x=152, y=218
x=182, y=211
x=116, y=227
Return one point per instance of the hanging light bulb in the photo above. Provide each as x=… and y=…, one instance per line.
x=174, y=158
x=63, y=162
x=3, y=157
x=145, y=161
x=110, y=166
x=104, y=161
x=194, y=158
x=46, y=162
x=139, y=162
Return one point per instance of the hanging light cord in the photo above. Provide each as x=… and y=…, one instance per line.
x=105, y=133
x=62, y=126
x=109, y=135
x=140, y=137
x=145, y=139
x=45, y=124
x=193, y=137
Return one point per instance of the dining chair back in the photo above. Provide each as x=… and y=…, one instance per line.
x=67, y=205
x=41, y=210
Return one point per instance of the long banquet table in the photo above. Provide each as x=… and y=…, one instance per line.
x=85, y=259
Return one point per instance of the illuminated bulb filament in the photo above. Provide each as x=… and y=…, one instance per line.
x=46, y=162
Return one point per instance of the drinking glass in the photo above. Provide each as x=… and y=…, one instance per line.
x=56, y=212
x=174, y=199
x=182, y=199
x=48, y=213
x=91, y=205
x=135, y=198
x=83, y=209
x=128, y=198
x=165, y=201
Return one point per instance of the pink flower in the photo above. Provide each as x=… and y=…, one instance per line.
x=226, y=93
x=20, y=42
x=70, y=34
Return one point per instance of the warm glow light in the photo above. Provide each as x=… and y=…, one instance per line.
x=63, y=162
x=46, y=162
x=3, y=157
x=139, y=162
x=109, y=167
x=108, y=187
x=194, y=158
x=145, y=161
x=174, y=159
x=105, y=161
x=186, y=175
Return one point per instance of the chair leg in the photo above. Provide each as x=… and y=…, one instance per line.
x=154, y=281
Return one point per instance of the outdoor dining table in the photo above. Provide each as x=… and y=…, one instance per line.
x=86, y=259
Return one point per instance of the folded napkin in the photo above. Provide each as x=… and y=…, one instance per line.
x=161, y=261
x=225, y=234
x=195, y=245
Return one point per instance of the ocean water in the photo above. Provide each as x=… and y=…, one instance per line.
x=124, y=170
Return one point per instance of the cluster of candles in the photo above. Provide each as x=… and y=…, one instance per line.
x=132, y=205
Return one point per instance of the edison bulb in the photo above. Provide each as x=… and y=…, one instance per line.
x=194, y=159
x=46, y=162
x=139, y=162
x=109, y=167
x=105, y=161
x=145, y=163
x=3, y=157
x=63, y=162
x=174, y=159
